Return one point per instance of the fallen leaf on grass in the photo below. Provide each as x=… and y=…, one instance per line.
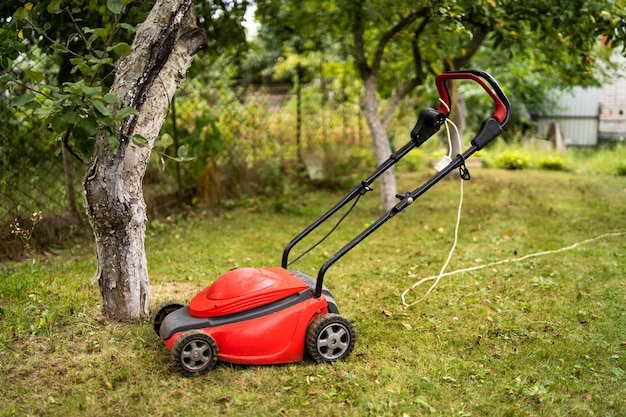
x=387, y=313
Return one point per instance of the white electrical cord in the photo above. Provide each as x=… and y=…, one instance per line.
x=504, y=261
x=442, y=272
x=458, y=219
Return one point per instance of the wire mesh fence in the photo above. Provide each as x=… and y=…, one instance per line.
x=238, y=142
x=31, y=168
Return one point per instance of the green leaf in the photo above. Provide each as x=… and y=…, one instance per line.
x=63, y=121
x=161, y=163
x=125, y=112
x=45, y=112
x=87, y=127
x=20, y=13
x=91, y=91
x=166, y=140
x=111, y=98
x=91, y=40
x=6, y=62
x=99, y=105
x=128, y=27
x=183, y=151
x=74, y=88
x=60, y=48
x=54, y=7
x=114, y=144
x=5, y=78
x=115, y=6
x=121, y=48
x=139, y=140
x=36, y=76
x=22, y=100
x=83, y=68
x=101, y=32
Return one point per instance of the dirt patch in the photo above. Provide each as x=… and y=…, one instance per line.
x=23, y=236
x=167, y=291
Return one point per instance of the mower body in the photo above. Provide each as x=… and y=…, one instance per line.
x=256, y=316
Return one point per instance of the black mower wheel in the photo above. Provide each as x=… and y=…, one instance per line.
x=162, y=311
x=330, y=337
x=195, y=353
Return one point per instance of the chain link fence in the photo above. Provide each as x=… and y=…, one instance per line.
x=246, y=143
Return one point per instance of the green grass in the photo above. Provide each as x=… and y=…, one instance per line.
x=540, y=337
x=602, y=160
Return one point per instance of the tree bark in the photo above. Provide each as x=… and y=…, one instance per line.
x=382, y=147
x=147, y=79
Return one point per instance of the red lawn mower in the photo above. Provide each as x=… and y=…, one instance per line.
x=272, y=315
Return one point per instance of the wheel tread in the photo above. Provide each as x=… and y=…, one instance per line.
x=319, y=324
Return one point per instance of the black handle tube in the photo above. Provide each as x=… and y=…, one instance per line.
x=362, y=188
x=427, y=125
x=404, y=203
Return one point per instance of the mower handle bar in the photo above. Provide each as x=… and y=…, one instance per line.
x=503, y=108
x=428, y=123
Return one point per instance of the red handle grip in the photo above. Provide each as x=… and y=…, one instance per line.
x=486, y=81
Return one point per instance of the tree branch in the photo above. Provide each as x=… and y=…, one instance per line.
x=160, y=49
x=397, y=28
x=472, y=46
x=417, y=55
x=396, y=97
x=404, y=89
x=359, y=50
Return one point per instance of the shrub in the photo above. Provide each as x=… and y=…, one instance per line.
x=414, y=161
x=553, y=163
x=621, y=169
x=512, y=160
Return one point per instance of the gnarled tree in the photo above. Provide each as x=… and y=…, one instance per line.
x=146, y=80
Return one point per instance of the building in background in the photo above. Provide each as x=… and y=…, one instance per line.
x=590, y=116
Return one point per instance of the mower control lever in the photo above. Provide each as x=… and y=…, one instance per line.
x=427, y=125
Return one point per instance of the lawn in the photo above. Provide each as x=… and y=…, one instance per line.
x=545, y=336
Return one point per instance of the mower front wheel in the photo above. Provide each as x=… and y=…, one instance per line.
x=195, y=353
x=330, y=337
x=162, y=311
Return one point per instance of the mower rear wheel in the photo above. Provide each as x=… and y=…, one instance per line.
x=330, y=337
x=162, y=311
x=195, y=353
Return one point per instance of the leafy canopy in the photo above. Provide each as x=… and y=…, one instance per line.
x=402, y=41
x=58, y=58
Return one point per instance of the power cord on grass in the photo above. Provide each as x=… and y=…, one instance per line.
x=437, y=278
x=501, y=262
x=459, y=210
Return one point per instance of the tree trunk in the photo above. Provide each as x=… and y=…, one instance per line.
x=382, y=147
x=147, y=79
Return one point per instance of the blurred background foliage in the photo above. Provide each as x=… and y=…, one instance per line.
x=263, y=117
